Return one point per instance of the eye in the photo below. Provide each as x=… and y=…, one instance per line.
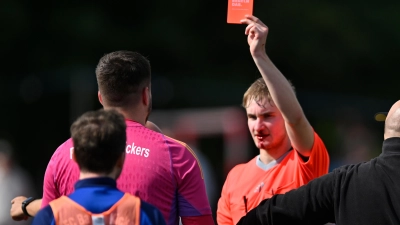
x=251, y=117
x=268, y=115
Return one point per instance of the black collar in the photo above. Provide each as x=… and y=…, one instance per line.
x=391, y=145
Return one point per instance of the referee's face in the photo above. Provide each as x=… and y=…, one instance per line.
x=266, y=124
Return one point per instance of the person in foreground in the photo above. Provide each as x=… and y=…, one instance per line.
x=291, y=152
x=19, y=210
x=99, y=139
x=360, y=194
x=160, y=170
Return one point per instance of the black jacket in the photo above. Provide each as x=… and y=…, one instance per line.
x=361, y=194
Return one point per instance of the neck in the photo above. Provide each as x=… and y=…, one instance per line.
x=86, y=175
x=133, y=113
x=273, y=153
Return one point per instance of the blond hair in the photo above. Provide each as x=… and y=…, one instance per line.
x=258, y=91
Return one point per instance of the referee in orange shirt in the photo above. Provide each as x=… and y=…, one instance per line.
x=291, y=152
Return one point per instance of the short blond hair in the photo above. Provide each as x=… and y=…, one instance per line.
x=258, y=91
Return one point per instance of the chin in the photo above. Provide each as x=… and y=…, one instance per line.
x=260, y=145
x=264, y=145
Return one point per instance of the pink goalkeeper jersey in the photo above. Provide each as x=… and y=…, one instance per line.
x=158, y=169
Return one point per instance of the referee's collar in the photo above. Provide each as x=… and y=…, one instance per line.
x=96, y=182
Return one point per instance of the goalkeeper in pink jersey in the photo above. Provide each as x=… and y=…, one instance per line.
x=160, y=170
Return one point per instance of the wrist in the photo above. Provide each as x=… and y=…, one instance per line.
x=25, y=204
x=259, y=54
x=260, y=57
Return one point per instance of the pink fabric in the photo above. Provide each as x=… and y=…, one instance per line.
x=160, y=170
x=198, y=220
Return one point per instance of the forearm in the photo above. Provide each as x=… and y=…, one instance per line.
x=34, y=207
x=280, y=89
x=298, y=128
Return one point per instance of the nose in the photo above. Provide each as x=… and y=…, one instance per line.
x=259, y=125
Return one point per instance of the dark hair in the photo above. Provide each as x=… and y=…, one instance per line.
x=99, y=139
x=121, y=76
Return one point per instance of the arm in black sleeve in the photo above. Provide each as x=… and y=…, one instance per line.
x=312, y=203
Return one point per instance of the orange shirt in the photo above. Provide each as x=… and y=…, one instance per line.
x=248, y=184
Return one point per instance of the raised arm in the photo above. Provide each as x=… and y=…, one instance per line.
x=298, y=128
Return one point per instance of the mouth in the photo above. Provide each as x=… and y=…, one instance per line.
x=260, y=137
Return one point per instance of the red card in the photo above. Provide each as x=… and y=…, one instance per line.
x=237, y=9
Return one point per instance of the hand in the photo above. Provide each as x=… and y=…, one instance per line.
x=16, y=212
x=257, y=33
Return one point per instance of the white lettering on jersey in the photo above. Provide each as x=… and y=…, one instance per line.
x=137, y=150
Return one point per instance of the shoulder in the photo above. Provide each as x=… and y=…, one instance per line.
x=63, y=152
x=317, y=139
x=175, y=143
x=152, y=126
x=318, y=145
x=44, y=217
x=179, y=148
x=349, y=170
x=67, y=144
x=237, y=169
x=319, y=152
x=355, y=172
x=240, y=168
x=183, y=157
x=63, y=148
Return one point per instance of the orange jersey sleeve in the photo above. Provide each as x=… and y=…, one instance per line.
x=318, y=161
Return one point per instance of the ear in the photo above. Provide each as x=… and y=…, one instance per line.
x=100, y=98
x=121, y=160
x=146, y=96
